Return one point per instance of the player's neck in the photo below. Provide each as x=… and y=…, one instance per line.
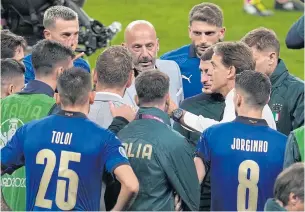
x=52, y=83
x=250, y=112
x=119, y=91
x=156, y=105
x=77, y=109
x=226, y=89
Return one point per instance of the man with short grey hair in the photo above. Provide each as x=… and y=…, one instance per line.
x=288, y=190
x=160, y=157
x=61, y=25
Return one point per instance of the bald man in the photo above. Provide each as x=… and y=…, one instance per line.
x=141, y=40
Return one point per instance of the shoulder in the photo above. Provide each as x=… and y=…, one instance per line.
x=294, y=83
x=182, y=51
x=80, y=62
x=167, y=64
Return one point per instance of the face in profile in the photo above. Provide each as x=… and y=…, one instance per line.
x=262, y=61
x=143, y=46
x=217, y=74
x=205, y=68
x=64, y=32
x=204, y=35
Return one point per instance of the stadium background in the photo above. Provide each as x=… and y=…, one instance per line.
x=170, y=18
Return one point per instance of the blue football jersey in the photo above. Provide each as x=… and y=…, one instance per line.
x=244, y=158
x=64, y=157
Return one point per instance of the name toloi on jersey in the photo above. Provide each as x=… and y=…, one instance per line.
x=249, y=145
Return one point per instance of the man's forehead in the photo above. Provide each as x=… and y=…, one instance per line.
x=141, y=37
x=203, y=26
x=66, y=26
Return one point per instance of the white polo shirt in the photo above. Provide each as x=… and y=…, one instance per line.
x=200, y=123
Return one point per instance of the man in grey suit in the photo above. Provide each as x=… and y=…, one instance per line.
x=141, y=40
x=112, y=76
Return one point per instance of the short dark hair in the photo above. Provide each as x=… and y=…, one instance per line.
x=74, y=86
x=207, y=12
x=291, y=180
x=10, y=42
x=58, y=12
x=207, y=54
x=114, y=66
x=10, y=69
x=235, y=54
x=47, y=54
x=151, y=86
x=262, y=39
x=256, y=85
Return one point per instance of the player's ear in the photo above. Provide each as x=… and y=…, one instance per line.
x=10, y=89
x=47, y=34
x=272, y=58
x=158, y=45
x=136, y=99
x=91, y=97
x=222, y=33
x=190, y=32
x=231, y=72
x=94, y=76
x=57, y=98
x=130, y=79
x=123, y=44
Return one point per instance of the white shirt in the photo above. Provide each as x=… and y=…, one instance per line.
x=200, y=123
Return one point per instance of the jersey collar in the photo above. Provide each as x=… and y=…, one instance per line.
x=155, y=112
x=71, y=114
x=251, y=121
x=38, y=87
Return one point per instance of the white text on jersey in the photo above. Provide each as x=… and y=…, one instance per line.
x=61, y=138
x=249, y=145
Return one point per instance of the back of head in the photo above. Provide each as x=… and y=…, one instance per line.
x=255, y=88
x=9, y=44
x=207, y=12
x=152, y=86
x=113, y=67
x=235, y=54
x=291, y=180
x=74, y=86
x=10, y=69
x=47, y=55
x=262, y=39
x=58, y=12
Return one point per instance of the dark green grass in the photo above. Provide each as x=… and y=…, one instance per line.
x=170, y=18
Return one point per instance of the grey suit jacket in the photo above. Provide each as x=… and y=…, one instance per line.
x=170, y=68
x=100, y=111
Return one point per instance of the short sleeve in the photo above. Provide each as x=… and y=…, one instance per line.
x=203, y=149
x=12, y=156
x=114, y=153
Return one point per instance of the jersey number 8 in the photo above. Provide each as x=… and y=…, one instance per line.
x=63, y=172
x=250, y=184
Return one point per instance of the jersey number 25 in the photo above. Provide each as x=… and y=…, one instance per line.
x=250, y=184
x=63, y=172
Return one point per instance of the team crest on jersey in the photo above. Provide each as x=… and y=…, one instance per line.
x=276, y=110
x=8, y=129
x=122, y=152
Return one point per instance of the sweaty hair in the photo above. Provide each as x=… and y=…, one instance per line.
x=9, y=43
x=262, y=39
x=207, y=54
x=235, y=54
x=58, y=12
x=74, y=86
x=256, y=86
x=207, y=12
x=47, y=54
x=291, y=180
x=114, y=66
x=151, y=86
x=10, y=69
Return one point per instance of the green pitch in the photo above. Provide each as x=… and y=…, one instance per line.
x=170, y=18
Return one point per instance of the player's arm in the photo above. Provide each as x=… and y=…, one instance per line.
x=117, y=163
x=180, y=170
x=292, y=152
x=297, y=109
x=200, y=168
x=12, y=156
x=129, y=187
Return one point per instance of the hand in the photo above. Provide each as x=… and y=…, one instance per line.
x=171, y=106
x=125, y=111
x=78, y=56
x=178, y=203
